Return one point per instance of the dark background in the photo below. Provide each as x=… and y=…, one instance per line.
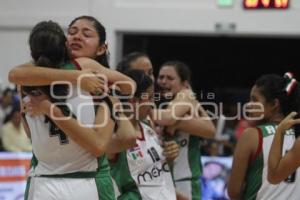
x=227, y=66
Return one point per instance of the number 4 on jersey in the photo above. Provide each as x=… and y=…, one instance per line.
x=55, y=131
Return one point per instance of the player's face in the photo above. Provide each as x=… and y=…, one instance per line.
x=260, y=108
x=145, y=104
x=143, y=63
x=83, y=40
x=169, y=81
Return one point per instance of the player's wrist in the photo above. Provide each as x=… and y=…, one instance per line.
x=51, y=110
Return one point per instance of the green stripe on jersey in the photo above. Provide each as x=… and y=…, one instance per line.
x=105, y=188
x=34, y=161
x=33, y=164
x=27, y=188
x=195, y=166
x=254, y=178
x=194, y=157
x=69, y=66
x=254, y=173
x=188, y=165
x=121, y=174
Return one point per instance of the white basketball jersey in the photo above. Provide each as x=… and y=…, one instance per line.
x=56, y=154
x=146, y=170
x=257, y=185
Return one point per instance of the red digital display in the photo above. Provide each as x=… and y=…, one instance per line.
x=266, y=4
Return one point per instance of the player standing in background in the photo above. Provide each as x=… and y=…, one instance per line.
x=174, y=79
x=270, y=101
x=142, y=172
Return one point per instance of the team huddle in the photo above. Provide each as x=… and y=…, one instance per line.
x=97, y=133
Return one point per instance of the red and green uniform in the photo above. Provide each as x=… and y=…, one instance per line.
x=257, y=185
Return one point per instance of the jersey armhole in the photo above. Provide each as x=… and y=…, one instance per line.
x=259, y=147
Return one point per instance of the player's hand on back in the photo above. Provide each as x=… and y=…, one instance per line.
x=37, y=104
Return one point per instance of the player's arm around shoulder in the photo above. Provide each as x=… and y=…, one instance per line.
x=29, y=74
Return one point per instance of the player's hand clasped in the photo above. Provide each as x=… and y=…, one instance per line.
x=171, y=150
x=92, y=81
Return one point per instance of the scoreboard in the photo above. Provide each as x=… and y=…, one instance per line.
x=266, y=4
